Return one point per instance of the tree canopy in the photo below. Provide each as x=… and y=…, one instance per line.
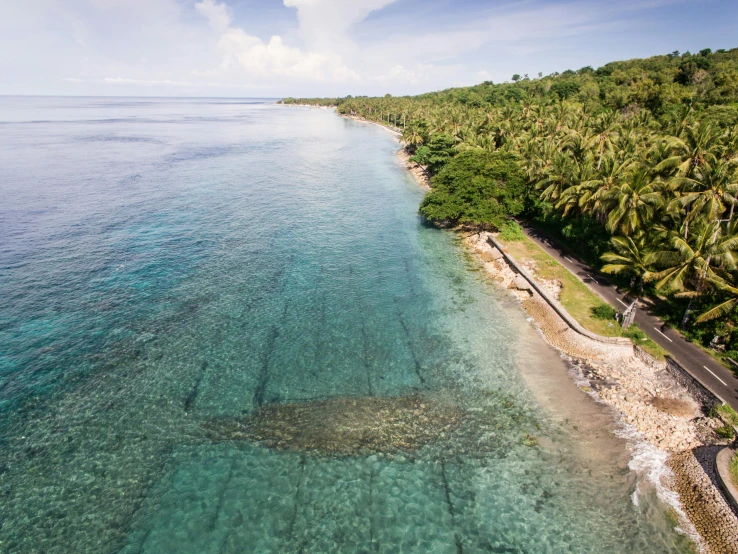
x=477, y=188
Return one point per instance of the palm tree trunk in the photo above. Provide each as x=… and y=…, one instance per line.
x=685, y=318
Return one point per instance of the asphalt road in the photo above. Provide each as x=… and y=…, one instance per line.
x=709, y=372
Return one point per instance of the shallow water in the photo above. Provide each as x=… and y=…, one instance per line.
x=165, y=263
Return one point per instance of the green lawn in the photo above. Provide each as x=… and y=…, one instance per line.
x=734, y=469
x=575, y=296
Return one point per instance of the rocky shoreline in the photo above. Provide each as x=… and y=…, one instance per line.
x=647, y=397
x=418, y=171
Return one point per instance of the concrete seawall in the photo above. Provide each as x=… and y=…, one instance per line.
x=730, y=490
x=551, y=301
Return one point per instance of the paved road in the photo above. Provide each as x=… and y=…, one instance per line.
x=709, y=372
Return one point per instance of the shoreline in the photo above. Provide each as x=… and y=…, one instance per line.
x=353, y=117
x=669, y=438
x=664, y=425
x=666, y=432
x=418, y=171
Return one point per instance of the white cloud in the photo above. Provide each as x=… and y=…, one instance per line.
x=144, y=82
x=325, y=24
x=483, y=75
x=326, y=47
x=274, y=57
x=419, y=73
x=170, y=83
x=218, y=15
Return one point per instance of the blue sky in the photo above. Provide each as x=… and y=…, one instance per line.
x=332, y=47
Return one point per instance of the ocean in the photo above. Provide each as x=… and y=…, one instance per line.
x=196, y=293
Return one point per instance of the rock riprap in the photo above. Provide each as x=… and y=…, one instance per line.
x=344, y=426
x=695, y=481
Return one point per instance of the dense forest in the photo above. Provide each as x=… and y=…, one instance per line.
x=633, y=165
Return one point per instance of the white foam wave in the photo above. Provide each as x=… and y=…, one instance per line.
x=648, y=462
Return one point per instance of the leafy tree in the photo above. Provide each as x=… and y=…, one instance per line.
x=476, y=188
x=565, y=89
x=436, y=154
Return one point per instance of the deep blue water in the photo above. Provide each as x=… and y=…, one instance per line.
x=166, y=262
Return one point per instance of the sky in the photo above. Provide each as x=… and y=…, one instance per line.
x=277, y=48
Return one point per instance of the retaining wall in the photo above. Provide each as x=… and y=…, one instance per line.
x=699, y=392
x=729, y=489
x=647, y=359
x=558, y=308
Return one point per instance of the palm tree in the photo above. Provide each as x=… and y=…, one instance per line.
x=414, y=133
x=631, y=257
x=724, y=308
x=605, y=129
x=707, y=192
x=635, y=203
x=678, y=122
x=557, y=178
x=699, y=146
x=594, y=195
x=706, y=258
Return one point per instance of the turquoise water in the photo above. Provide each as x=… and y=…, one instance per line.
x=167, y=263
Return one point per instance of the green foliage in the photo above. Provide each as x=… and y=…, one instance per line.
x=326, y=102
x=734, y=469
x=728, y=414
x=725, y=432
x=587, y=238
x=604, y=312
x=565, y=89
x=634, y=333
x=476, y=188
x=434, y=155
x=511, y=231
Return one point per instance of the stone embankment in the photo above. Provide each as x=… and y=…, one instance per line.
x=695, y=479
x=647, y=396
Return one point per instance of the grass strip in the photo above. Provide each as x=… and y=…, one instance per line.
x=593, y=313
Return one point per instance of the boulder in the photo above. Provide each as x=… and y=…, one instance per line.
x=521, y=283
x=488, y=253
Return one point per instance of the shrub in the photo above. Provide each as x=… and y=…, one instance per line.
x=604, y=311
x=634, y=333
x=728, y=414
x=476, y=188
x=511, y=231
x=725, y=432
